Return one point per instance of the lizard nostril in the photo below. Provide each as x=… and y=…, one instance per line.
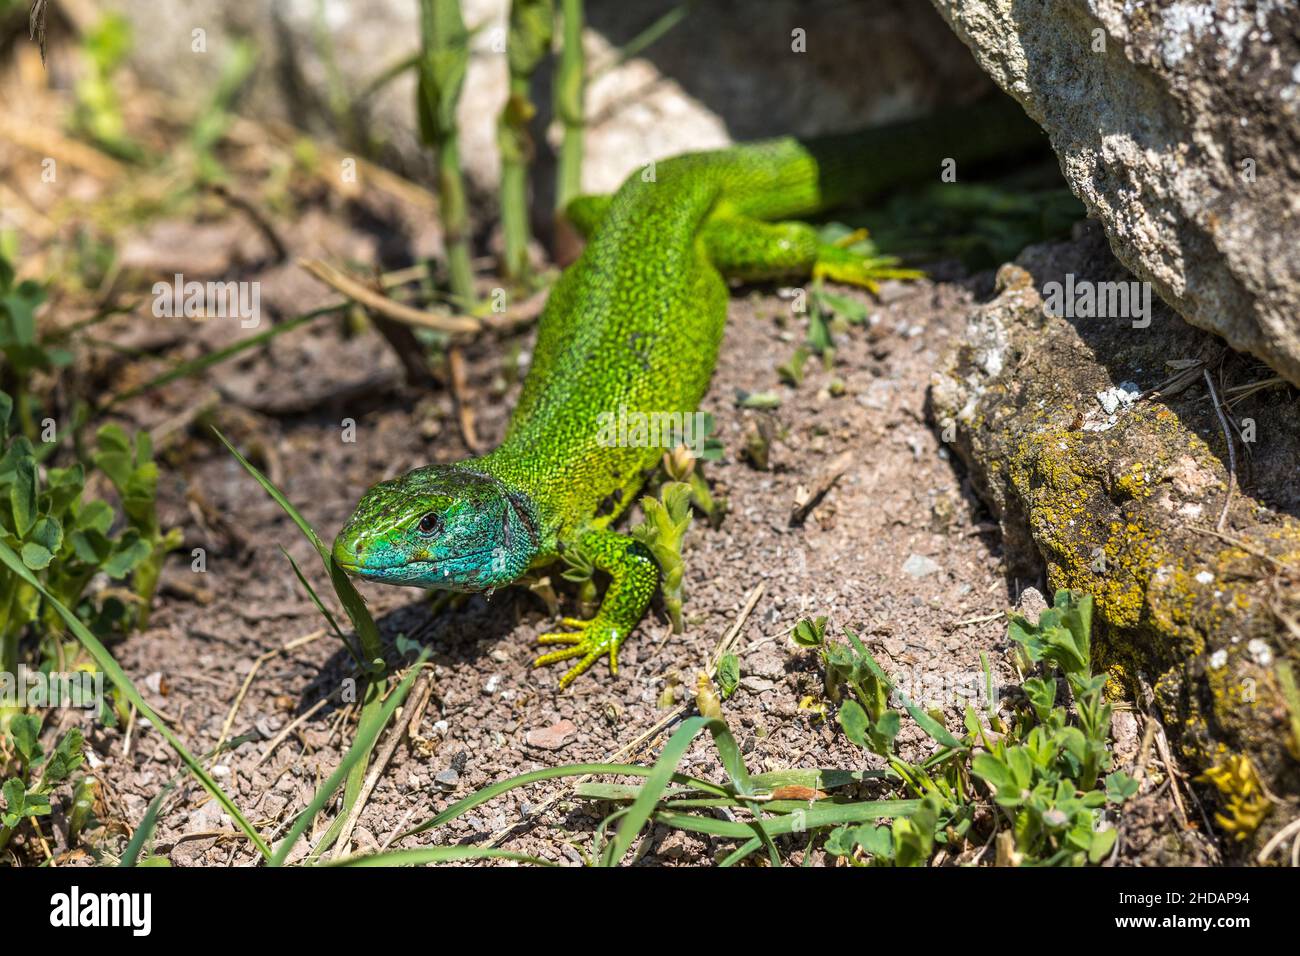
x=348, y=551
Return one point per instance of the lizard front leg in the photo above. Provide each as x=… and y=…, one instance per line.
x=633, y=579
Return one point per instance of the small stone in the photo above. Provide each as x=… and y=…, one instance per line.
x=757, y=685
x=553, y=737
x=447, y=779
x=1260, y=652
x=919, y=566
x=1031, y=604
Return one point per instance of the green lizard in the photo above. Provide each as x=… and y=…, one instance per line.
x=636, y=323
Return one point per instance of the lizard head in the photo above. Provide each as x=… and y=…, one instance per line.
x=441, y=526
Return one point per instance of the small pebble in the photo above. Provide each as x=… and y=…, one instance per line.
x=919, y=566
x=553, y=737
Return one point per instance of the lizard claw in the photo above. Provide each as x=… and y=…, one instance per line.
x=840, y=263
x=591, y=641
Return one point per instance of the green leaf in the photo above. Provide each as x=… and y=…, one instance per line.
x=810, y=632
x=1120, y=786
x=728, y=675
x=68, y=756
x=25, y=729
x=14, y=793
x=128, y=552
x=854, y=721
x=22, y=496
x=1042, y=695
x=36, y=556
x=1100, y=844
x=20, y=804
x=884, y=731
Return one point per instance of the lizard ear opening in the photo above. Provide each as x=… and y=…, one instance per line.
x=520, y=513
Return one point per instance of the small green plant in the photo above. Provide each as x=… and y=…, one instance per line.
x=24, y=351
x=444, y=58
x=134, y=474
x=65, y=541
x=532, y=27
x=1044, y=771
x=728, y=675
x=98, y=114
x=667, y=519
x=579, y=569
x=28, y=775
x=570, y=93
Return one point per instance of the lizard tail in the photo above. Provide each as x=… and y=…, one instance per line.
x=790, y=178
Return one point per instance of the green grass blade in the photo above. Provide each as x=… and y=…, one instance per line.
x=746, y=849
x=324, y=611
x=438, y=854
x=656, y=782
x=194, y=366
x=463, y=806
x=361, y=747
x=131, y=855
x=365, y=626
x=104, y=660
x=733, y=761
x=812, y=818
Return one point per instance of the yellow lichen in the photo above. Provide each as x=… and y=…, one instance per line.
x=1244, y=804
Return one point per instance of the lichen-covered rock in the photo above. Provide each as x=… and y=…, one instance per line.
x=1178, y=125
x=1124, y=503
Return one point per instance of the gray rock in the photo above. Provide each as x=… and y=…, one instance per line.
x=447, y=779
x=722, y=73
x=1176, y=124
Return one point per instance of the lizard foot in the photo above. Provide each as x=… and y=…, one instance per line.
x=591, y=640
x=840, y=262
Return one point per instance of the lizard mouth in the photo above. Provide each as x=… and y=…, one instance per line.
x=346, y=557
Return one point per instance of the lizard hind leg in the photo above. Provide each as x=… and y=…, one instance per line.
x=753, y=250
x=633, y=578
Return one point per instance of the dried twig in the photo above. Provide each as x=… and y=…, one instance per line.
x=252, y=673
x=1232, y=454
x=1292, y=829
x=459, y=395
x=807, y=499
x=257, y=217
x=36, y=24
x=360, y=292
x=406, y=727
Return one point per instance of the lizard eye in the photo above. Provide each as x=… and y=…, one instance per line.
x=430, y=524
